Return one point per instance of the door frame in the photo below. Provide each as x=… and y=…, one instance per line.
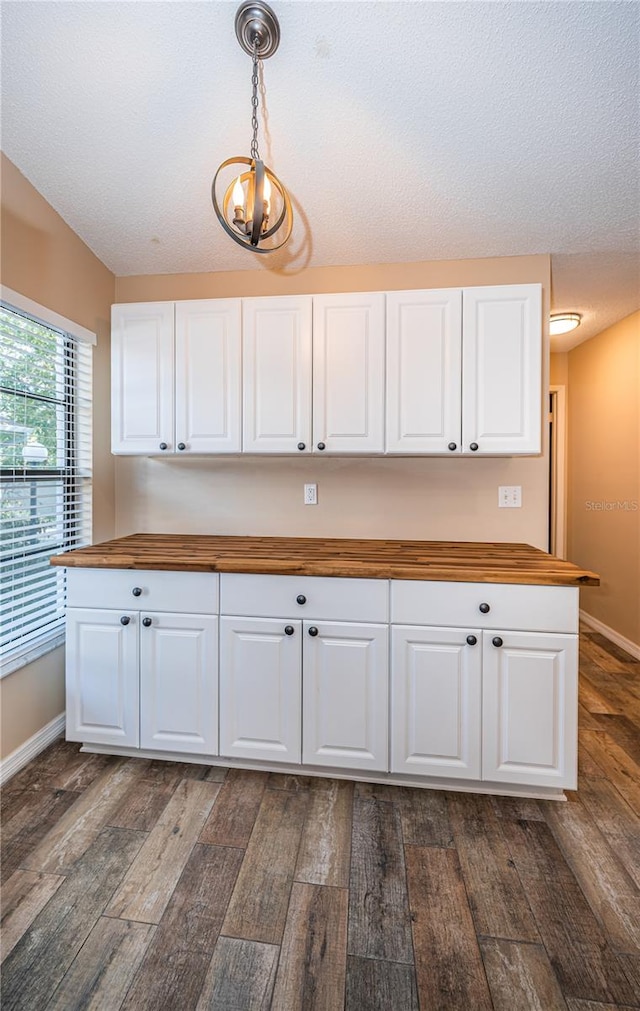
x=558, y=470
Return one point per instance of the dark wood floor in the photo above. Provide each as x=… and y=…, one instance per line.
x=152, y=886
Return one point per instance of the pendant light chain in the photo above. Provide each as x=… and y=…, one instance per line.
x=254, y=103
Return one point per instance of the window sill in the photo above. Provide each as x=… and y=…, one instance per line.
x=26, y=655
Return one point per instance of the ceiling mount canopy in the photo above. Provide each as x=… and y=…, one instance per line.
x=255, y=209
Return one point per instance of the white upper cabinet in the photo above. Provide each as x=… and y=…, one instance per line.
x=502, y=364
x=176, y=377
x=142, y=378
x=277, y=374
x=209, y=376
x=424, y=337
x=348, y=373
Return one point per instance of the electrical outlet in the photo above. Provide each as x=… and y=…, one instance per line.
x=311, y=494
x=510, y=496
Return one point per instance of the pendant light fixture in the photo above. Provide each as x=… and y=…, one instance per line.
x=255, y=209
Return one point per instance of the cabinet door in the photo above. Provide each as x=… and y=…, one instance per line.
x=142, y=378
x=209, y=376
x=260, y=689
x=348, y=373
x=424, y=362
x=436, y=701
x=102, y=677
x=530, y=705
x=179, y=683
x=345, y=696
x=277, y=374
x=501, y=370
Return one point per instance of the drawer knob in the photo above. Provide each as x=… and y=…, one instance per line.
x=137, y=591
x=146, y=622
x=288, y=629
x=301, y=446
x=471, y=640
x=301, y=599
x=321, y=446
x=313, y=630
x=484, y=608
x=181, y=446
x=163, y=445
x=125, y=619
x=473, y=447
x=497, y=641
x=452, y=446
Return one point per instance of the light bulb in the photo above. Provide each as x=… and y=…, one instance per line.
x=238, y=194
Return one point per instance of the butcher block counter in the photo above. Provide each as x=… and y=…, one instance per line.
x=439, y=664
x=455, y=561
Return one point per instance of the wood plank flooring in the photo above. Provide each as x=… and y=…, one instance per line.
x=152, y=886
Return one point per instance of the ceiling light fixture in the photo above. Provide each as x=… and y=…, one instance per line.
x=563, y=322
x=255, y=196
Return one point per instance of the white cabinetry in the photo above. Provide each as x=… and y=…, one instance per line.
x=464, y=370
x=277, y=374
x=436, y=701
x=260, y=688
x=314, y=374
x=176, y=377
x=142, y=660
x=348, y=373
x=530, y=688
x=517, y=708
x=272, y=660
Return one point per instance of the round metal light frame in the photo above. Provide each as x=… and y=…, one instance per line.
x=256, y=175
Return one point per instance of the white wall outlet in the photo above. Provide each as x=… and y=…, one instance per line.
x=311, y=494
x=510, y=496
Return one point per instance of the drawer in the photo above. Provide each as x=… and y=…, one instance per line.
x=326, y=598
x=511, y=606
x=184, y=592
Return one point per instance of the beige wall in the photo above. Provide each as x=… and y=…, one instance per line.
x=604, y=472
x=44, y=260
x=421, y=498
x=559, y=369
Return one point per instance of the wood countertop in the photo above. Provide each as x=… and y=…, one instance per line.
x=453, y=561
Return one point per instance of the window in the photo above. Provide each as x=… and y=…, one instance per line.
x=45, y=477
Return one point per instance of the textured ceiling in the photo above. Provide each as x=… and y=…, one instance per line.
x=404, y=131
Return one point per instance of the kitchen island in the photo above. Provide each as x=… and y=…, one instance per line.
x=442, y=664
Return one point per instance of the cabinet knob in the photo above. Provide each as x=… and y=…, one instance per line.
x=125, y=619
x=288, y=629
x=301, y=446
x=163, y=445
x=313, y=630
x=484, y=608
x=471, y=640
x=137, y=591
x=301, y=599
x=473, y=447
x=452, y=446
x=321, y=446
x=181, y=446
x=497, y=641
x=146, y=622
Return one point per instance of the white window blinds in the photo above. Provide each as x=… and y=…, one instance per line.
x=45, y=472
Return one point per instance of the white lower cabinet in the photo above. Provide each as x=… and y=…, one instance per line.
x=436, y=702
x=260, y=688
x=178, y=683
x=345, y=695
x=530, y=705
x=102, y=677
x=142, y=661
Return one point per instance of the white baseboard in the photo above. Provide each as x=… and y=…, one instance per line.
x=620, y=640
x=23, y=755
